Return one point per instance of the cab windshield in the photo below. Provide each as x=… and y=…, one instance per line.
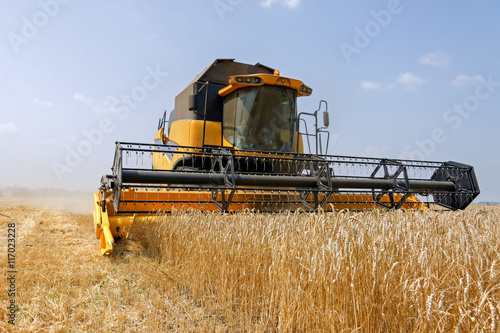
x=261, y=118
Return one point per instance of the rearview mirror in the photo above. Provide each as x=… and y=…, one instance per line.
x=326, y=119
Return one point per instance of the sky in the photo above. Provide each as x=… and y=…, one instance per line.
x=416, y=79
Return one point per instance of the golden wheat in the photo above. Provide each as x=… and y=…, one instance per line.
x=397, y=271
x=373, y=271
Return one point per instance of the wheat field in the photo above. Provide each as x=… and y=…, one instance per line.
x=376, y=271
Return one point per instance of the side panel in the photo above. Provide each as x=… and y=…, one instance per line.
x=212, y=133
x=180, y=132
x=298, y=138
x=189, y=132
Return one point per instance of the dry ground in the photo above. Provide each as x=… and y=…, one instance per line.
x=64, y=285
x=347, y=271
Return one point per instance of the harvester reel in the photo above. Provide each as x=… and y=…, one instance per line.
x=466, y=186
x=224, y=163
x=237, y=180
x=403, y=187
x=320, y=169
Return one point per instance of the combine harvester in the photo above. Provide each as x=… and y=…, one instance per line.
x=236, y=141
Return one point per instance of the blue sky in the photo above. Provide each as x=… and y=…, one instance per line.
x=403, y=79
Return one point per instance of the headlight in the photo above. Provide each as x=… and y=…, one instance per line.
x=305, y=89
x=249, y=79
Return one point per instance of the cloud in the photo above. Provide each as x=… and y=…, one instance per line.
x=285, y=3
x=39, y=102
x=62, y=141
x=81, y=98
x=8, y=128
x=464, y=80
x=378, y=151
x=406, y=80
x=436, y=59
x=369, y=85
x=408, y=152
x=410, y=81
x=109, y=105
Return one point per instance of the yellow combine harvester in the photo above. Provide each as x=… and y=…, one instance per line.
x=235, y=141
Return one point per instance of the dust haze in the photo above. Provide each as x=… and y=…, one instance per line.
x=51, y=199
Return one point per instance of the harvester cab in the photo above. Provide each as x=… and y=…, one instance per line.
x=236, y=141
x=240, y=107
